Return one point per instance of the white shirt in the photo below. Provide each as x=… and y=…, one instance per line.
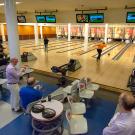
x=121, y=124
x=12, y=74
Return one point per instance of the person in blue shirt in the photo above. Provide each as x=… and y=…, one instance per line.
x=28, y=94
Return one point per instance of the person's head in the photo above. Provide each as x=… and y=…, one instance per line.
x=126, y=102
x=14, y=61
x=31, y=81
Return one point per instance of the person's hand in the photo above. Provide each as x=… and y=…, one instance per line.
x=23, y=69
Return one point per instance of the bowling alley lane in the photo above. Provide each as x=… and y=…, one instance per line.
x=109, y=55
x=128, y=56
x=76, y=50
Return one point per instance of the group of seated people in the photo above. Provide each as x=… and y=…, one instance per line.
x=3, y=57
x=122, y=123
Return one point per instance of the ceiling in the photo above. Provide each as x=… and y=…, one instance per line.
x=70, y=5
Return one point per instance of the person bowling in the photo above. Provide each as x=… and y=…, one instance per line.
x=99, y=49
x=46, y=44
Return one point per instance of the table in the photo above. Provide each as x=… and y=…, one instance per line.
x=2, y=81
x=27, y=72
x=53, y=104
x=48, y=126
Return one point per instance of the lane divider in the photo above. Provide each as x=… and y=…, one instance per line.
x=72, y=49
x=121, y=52
x=59, y=47
x=107, y=50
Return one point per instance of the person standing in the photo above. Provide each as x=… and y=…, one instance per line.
x=123, y=122
x=46, y=44
x=13, y=76
x=99, y=49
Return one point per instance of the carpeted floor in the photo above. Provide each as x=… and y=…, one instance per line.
x=98, y=115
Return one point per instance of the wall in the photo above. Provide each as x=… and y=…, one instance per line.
x=27, y=32
x=111, y=16
x=49, y=32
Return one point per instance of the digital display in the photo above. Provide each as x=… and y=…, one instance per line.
x=130, y=17
x=21, y=19
x=96, y=18
x=82, y=18
x=40, y=18
x=50, y=19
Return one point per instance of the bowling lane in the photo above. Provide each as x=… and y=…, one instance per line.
x=90, y=46
x=76, y=49
x=114, y=51
x=128, y=56
x=67, y=45
x=94, y=52
x=41, y=44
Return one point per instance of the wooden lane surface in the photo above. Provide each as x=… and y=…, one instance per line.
x=113, y=52
x=90, y=44
x=66, y=45
x=94, y=52
x=128, y=56
x=107, y=72
x=110, y=73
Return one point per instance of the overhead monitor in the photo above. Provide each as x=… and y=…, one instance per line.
x=50, y=19
x=82, y=18
x=40, y=18
x=21, y=19
x=130, y=17
x=96, y=18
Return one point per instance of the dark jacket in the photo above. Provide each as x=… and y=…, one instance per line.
x=46, y=41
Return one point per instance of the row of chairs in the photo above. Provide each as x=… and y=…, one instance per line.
x=74, y=115
x=85, y=92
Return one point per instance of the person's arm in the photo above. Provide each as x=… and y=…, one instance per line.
x=114, y=129
x=13, y=72
x=38, y=94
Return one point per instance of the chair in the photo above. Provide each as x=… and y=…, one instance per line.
x=77, y=123
x=93, y=86
x=85, y=93
x=77, y=107
x=72, y=88
x=89, y=84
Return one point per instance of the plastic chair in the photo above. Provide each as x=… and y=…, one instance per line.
x=93, y=87
x=77, y=123
x=77, y=107
x=72, y=88
x=89, y=84
x=85, y=94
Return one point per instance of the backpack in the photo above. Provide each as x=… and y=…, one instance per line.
x=133, y=73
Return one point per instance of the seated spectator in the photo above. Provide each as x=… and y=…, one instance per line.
x=28, y=94
x=123, y=122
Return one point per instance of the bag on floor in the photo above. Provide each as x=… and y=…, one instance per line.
x=24, y=57
x=133, y=73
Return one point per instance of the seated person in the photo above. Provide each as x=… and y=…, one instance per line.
x=28, y=94
x=123, y=122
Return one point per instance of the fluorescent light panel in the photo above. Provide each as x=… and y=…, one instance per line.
x=2, y=4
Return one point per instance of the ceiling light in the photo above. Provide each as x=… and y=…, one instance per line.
x=2, y=4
